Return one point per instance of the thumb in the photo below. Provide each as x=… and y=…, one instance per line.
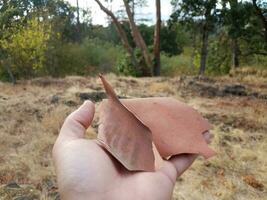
x=77, y=122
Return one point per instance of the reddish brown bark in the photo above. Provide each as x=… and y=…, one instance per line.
x=156, y=67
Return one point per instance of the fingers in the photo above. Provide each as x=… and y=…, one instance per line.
x=182, y=162
x=176, y=165
x=77, y=122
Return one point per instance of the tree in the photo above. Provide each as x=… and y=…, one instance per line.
x=235, y=47
x=262, y=14
x=244, y=25
x=139, y=41
x=78, y=21
x=156, y=70
x=120, y=31
x=134, y=5
x=234, y=18
x=203, y=11
x=26, y=48
x=11, y=15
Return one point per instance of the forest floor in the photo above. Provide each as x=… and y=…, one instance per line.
x=32, y=112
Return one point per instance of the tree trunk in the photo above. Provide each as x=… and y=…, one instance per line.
x=262, y=17
x=204, y=50
x=139, y=40
x=194, y=46
x=120, y=31
x=78, y=34
x=9, y=71
x=156, y=69
x=133, y=9
x=235, y=52
x=78, y=12
x=205, y=40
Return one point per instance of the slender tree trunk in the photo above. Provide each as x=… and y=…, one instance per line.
x=235, y=52
x=205, y=40
x=234, y=38
x=139, y=40
x=204, y=50
x=194, y=46
x=262, y=17
x=9, y=71
x=12, y=78
x=133, y=9
x=78, y=12
x=120, y=31
x=78, y=34
x=156, y=69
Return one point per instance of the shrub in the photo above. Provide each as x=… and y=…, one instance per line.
x=89, y=57
x=219, y=56
x=178, y=65
x=25, y=47
x=124, y=65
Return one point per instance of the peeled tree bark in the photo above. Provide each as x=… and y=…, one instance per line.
x=120, y=31
x=138, y=39
x=156, y=67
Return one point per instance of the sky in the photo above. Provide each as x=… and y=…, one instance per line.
x=99, y=17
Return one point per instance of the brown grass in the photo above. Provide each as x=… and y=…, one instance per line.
x=30, y=121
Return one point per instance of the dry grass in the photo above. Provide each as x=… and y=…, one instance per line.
x=32, y=112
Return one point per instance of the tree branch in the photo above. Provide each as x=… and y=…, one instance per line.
x=120, y=31
x=138, y=39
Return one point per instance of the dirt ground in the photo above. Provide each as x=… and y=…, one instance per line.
x=32, y=112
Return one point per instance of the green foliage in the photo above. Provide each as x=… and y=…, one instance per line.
x=219, y=59
x=195, y=10
x=108, y=33
x=173, y=39
x=124, y=65
x=178, y=65
x=26, y=47
x=45, y=38
x=61, y=17
x=88, y=57
x=11, y=13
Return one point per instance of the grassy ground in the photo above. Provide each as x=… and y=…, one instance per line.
x=32, y=112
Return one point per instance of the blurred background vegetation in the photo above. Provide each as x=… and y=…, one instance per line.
x=53, y=38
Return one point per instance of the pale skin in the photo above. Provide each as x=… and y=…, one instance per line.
x=86, y=171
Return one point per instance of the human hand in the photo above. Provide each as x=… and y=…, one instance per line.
x=86, y=171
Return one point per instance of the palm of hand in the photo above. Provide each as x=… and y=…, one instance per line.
x=86, y=171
